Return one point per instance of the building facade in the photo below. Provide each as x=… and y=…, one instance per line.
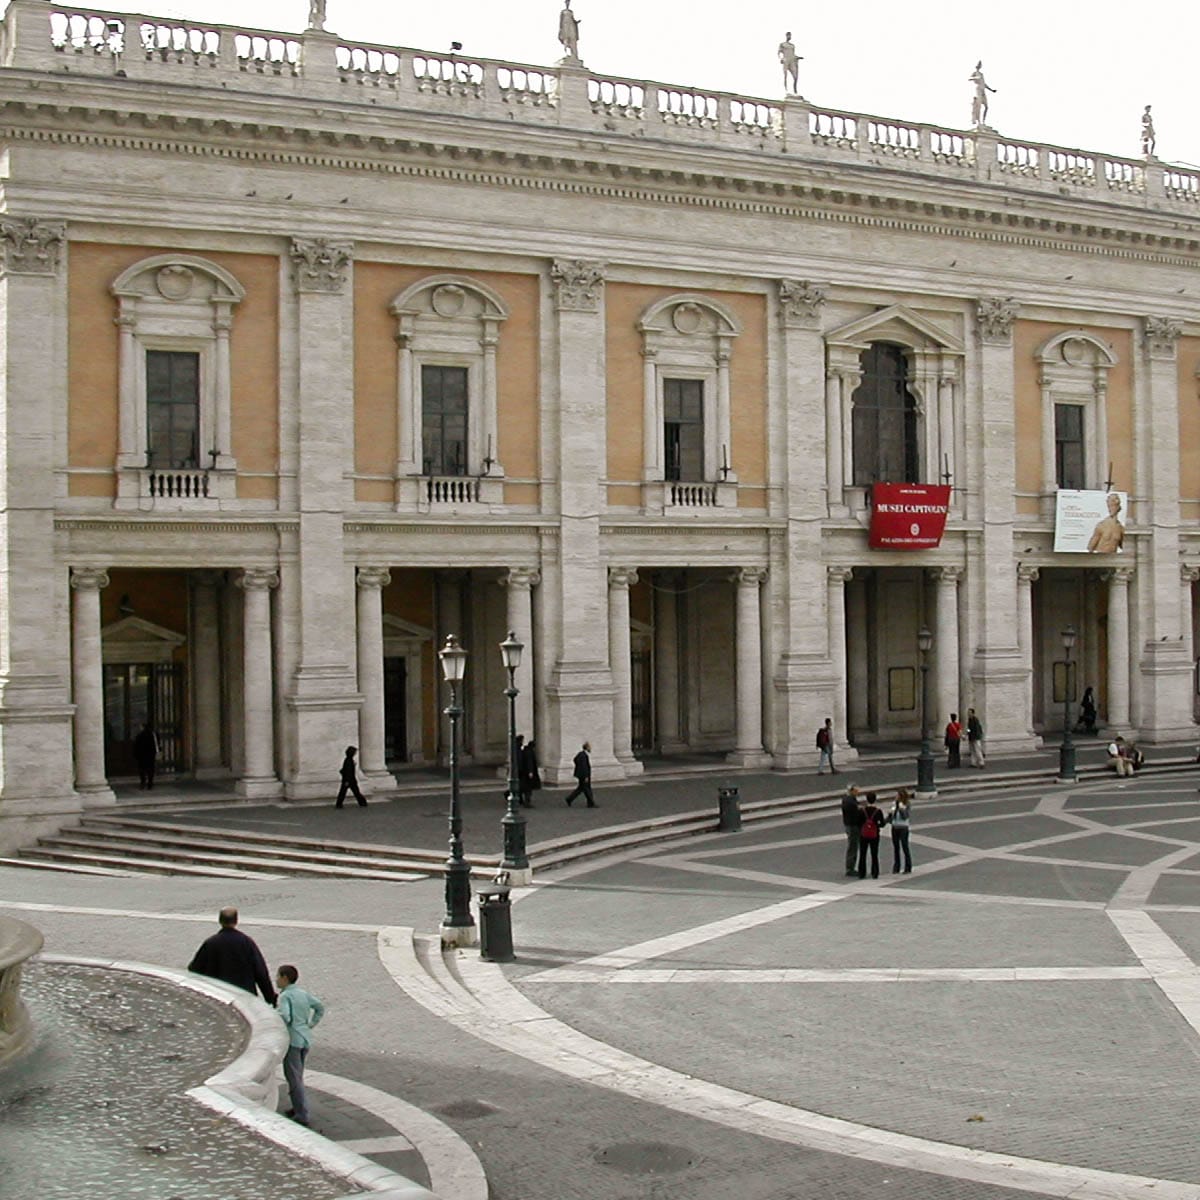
x=316, y=352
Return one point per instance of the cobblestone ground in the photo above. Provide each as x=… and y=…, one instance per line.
x=1029, y=990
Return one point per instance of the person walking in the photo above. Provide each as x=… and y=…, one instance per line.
x=350, y=779
x=825, y=746
x=233, y=957
x=868, y=837
x=529, y=776
x=145, y=754
x=851, y=822
x=900, y=819
x=1087, y=711
x=975, y=739
x=953, y=742
x=300, y=1011
x=583, y=773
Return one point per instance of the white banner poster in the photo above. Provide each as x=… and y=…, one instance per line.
x=1090, y=522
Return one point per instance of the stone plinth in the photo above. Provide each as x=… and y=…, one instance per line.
x=18, y=942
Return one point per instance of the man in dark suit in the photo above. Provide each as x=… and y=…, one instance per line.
x=583, y=773
x=232, y=956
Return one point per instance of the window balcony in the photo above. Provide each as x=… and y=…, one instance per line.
x=466, y=494
x=680, y=498
x=174, y=489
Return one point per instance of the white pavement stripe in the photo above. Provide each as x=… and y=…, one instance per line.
x=656, y=947
x=1174, y=972
x=1141, y=881
x=194, y=918
x=855, y=975
x=454, y=1170
x=378, y=1145
x=494, y=1011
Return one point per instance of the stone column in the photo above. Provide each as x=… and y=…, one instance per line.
x=322, y=697
x=1187, y=577
x=87, y=675
x=620, y=580
x=372, y=747
x=1026, y=576
x=666, y=663
x=999, y=670
x=749, y=751
x=1117, y=699
x=206, y=671
x=946, y=699
x=258, y=705
x=836, y=579
x=579, y=689
x=858, y=682
x=450, y=620
x=222, y=431
x=519, y=583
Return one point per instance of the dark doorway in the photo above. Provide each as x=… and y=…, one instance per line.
x=641, y=703
x=137, y=693
x=395, y=709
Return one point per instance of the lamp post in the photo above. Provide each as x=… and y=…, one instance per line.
x=516, y=861
x=458, y=926
x=926, y=788
x=1066, y=752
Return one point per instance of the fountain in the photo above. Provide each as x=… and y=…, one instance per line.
x=18, y=943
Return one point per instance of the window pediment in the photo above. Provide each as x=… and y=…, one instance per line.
x=899, y=324
x=132, y=639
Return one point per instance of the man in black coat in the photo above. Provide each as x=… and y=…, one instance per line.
x=852, y=819
x=232, y=956
x=583, y=773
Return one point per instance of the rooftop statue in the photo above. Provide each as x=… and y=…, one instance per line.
x=316, y=14
x=568, y=32
x=979, y=102
x=1149, y=141
x=790, y=61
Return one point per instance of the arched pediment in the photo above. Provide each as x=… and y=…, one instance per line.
x=173, y=277
x=689, y=315
x=899, y=324
x=450, y=296
x=1076, y=348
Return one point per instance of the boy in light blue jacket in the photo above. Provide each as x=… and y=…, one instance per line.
x=301, y=1011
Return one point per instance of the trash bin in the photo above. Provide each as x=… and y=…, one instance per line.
x=495, y=924
x=729, y=819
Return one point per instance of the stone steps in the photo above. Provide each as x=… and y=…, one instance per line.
x=67, y=858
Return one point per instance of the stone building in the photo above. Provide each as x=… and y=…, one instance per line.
x=316, y=352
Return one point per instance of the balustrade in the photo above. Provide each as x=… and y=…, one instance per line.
x=368, y=65
x=1016, y=159
x=176, y=485
x=452, y=489
x=696, y=110
x=903, y=141
x=839, y=130
x=692, y=495
x=447, y=76
x=617, y=98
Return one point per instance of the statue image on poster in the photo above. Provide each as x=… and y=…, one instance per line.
x=1090, y=522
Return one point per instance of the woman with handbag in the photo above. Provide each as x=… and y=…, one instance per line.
x=900, y=819
x=868, y=837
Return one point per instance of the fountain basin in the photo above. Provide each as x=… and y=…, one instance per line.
x=18, y=943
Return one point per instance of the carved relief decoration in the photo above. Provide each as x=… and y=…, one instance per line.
x=1161, y=334
x=321, y=265
x=31, y=246
x=995, y=315
x=578, y=284
x=800, y=302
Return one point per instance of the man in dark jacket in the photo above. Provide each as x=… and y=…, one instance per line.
x=583, y=773
x=852, y=820
x=350, y=780
x=232, y=956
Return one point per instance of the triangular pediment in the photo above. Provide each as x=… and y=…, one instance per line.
x=132, y=640
x=395, y=627
x=899, y=324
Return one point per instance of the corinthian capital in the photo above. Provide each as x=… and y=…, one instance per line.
x=800, y=302
x=31, y=246
x=578, y=284
x=1161, y=334
x=320, y=264
x=995, y=315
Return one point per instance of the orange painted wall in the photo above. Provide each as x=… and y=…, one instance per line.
x=1189, y=427
x=376, y=285
x=1027, y=400
x=92, y=361
x=624, y=304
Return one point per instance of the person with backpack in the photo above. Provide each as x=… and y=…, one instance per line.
x=825, y=746
x=900, y=819
x=953, y=741
x=868, y=837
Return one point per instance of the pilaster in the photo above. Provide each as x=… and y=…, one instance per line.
x=259, y=779
x=749, y=751
x=620, y=580
x=519, y=583
x=1117, y=700
x=370, y=582
x=88, y=688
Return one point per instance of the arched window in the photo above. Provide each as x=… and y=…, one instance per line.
x=884, y=419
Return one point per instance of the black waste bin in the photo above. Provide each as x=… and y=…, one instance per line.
x=495, y=924
x=729, y=819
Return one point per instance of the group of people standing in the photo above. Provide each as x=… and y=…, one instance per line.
x=953, y=740
x=863, y=821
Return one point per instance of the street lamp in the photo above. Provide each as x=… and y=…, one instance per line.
x=1066, y=752
x=516, y=861
x=458, y=926
x=926, y=788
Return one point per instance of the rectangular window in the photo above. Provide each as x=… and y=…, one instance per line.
x=444, y=420
x=1068, y=445
x=173, y=409
x=683, y=429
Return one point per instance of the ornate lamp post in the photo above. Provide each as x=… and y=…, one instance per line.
x=458, y=926
x=926, y=788
x=516, y=861
x=1066, y=752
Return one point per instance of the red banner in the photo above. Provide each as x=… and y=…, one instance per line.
x=908, y=516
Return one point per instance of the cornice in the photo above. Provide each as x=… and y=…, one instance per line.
x=173, y=525
x=595, y=169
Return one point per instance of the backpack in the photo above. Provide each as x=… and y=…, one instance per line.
x=870, y=830
x=822, y=738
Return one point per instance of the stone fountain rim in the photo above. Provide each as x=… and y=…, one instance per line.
x=238, y=1091
x=25, y=941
